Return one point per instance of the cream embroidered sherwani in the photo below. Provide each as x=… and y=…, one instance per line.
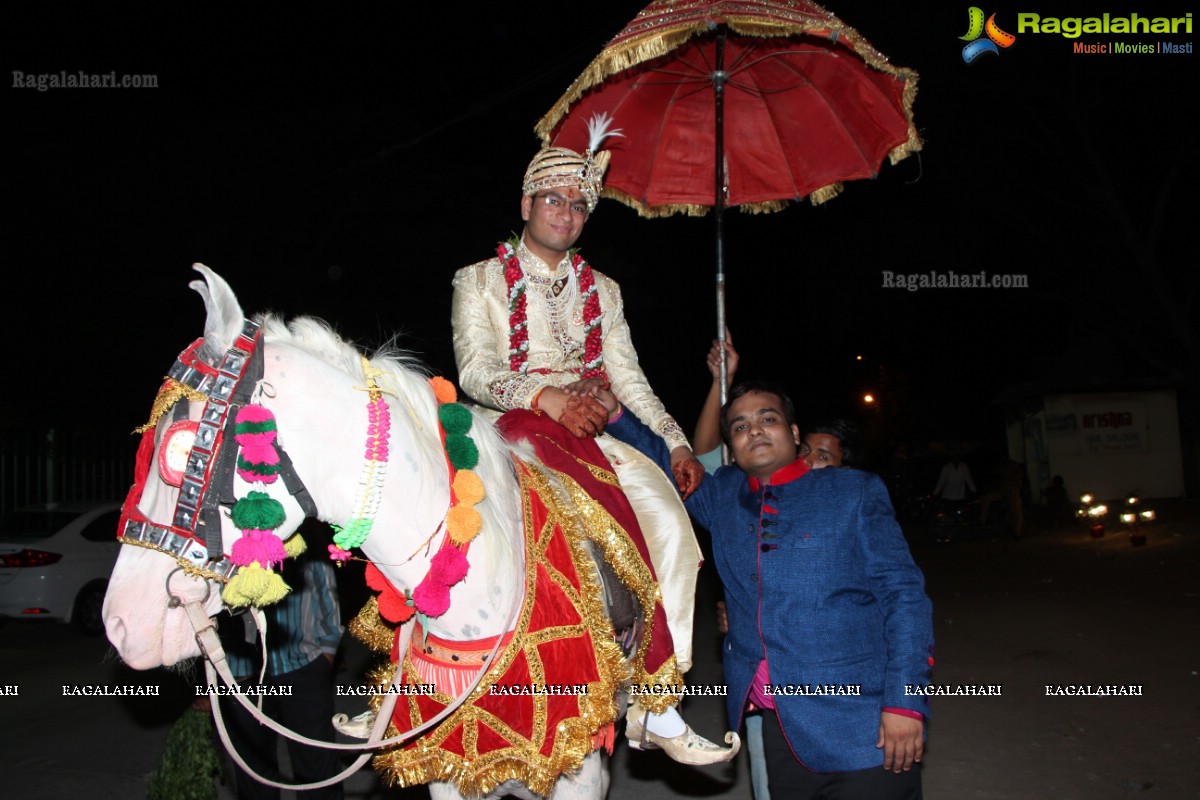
x=555, y=357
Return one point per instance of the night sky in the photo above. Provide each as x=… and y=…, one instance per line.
x=344, y=163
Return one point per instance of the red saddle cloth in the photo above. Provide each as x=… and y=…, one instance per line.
x=550, y=697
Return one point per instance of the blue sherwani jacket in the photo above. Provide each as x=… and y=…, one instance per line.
x=819, y=581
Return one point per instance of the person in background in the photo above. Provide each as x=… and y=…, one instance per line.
x=1058, y=503
x=304, y=633
x=954, y=481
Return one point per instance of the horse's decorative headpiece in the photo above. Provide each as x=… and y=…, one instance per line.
x=192, y=457
x=555, y=167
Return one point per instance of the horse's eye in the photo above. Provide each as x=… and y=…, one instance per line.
x=174, y=451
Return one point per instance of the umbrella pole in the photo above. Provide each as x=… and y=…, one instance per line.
x=718, y=78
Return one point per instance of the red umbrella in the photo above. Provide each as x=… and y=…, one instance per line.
x=773, y=101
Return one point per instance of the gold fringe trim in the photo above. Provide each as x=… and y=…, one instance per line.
x=189, y=569
x=371, y=629
x=621, y=553
x=825, y=193
x=169, y=394
x=574, y=739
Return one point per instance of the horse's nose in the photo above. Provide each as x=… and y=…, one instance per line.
x=114, y=627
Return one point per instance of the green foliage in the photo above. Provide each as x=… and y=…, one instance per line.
x=190, y=762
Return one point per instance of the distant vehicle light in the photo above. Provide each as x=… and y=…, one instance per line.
x=30, y=558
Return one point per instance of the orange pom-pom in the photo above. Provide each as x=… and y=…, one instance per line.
x=443, y=390
x=468, y=488
x=463, y=522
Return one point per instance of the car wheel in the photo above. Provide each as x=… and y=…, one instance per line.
x=88, y=616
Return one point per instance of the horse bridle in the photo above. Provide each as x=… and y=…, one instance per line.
x=194, y=537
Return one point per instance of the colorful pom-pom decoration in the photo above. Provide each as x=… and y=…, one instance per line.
x=463, y=523
x=443, y=390
x=254, y=545
x=254, y=586
x=462, y=451
x=260, y=511
x=456, y=419
x=449, y=566
x=254, y=430
x=258, y=464
x=431, y=598
x=468, y=488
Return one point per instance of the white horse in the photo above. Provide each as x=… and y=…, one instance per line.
x=313, y=383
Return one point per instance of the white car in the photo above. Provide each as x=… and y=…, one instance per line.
x=55, y=560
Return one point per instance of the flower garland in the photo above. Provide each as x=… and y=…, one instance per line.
x=518, y=321
x=449, y=565
x=374, y=471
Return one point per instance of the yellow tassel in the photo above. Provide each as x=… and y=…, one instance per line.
x=295, y=545
x=256, y=586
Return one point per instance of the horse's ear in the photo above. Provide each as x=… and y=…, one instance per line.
x=224, y=313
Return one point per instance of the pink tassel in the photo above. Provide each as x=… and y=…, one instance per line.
x=261, y=546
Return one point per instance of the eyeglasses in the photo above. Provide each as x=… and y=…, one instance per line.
x=577, y=207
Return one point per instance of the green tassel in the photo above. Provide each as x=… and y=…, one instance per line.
x=455, y=418
x=258, y=511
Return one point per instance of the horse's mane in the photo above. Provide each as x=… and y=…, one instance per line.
x=405, y=382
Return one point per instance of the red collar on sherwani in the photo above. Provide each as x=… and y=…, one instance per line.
x=788, y=474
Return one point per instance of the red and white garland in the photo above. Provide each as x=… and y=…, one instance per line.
x=518, y=321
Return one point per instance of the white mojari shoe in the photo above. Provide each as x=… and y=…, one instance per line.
x=688, y=747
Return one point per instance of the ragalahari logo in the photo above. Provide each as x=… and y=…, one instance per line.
x=976, y=27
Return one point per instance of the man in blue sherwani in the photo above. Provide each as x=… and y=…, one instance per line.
x=830, y=629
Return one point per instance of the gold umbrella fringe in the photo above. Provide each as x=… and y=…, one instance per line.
x=658, y=41
x=816, y=197
x=914, y=142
